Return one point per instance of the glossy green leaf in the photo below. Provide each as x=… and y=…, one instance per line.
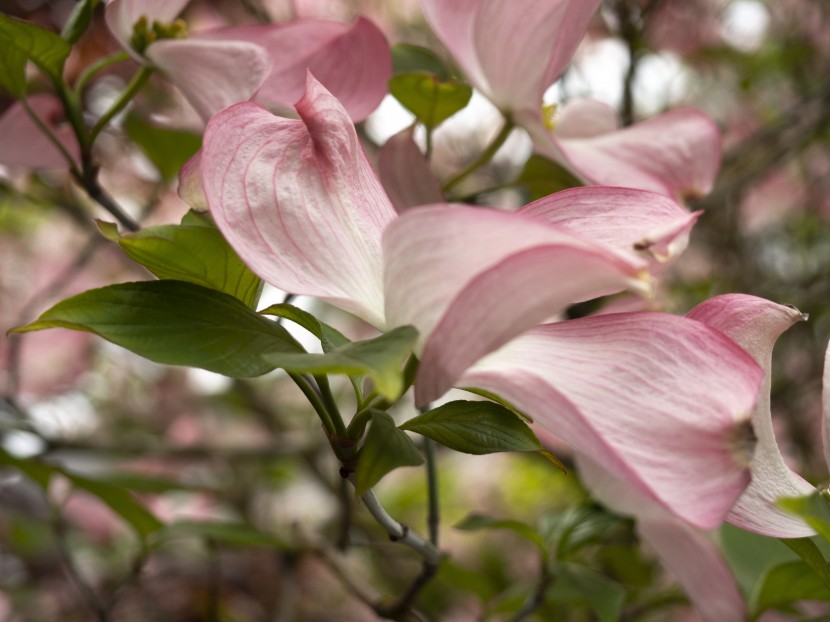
x=431, y=100
x=385, y=449
x=577, y=584
x=119, y=501
x=477, y=522
x=408, y=58
x=788, y=583
x=542, y=177
x=381, y=358
x=814, y=509
x=167, y=148
x=330, y=338
x=475, y=428
x=226, y=533
x=175, y=323
x=21, y=41
x=189, y=252
x=498, y=399
x=79, y=20
x=807, y=550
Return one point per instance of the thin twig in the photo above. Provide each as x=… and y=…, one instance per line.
x=400, y=533
x=537, y=598
x=89, y=182
x=85, y=590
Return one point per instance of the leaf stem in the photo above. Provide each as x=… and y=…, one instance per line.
x=314, y=399
x=126, y=96
x=482, y=159
x=331, y=405
x=93, y=69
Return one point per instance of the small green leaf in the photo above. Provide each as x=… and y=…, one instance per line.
x=386, y=448
x=542, y=177
x=196, y=253
x=381, y=358
x=119, y=501
x=21, y=41
x=475, y=428
x=788, y=583
x=577, y=584
x=408, y=58
x=226, y=533
x=814, y=509
x=807, y=550
x=174, y=323
x=79, y=20
x=477, y=522
x=330, y=338
x=167, y=148
x=428, y=98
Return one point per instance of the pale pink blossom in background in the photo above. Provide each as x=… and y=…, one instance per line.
x=267, y=63
x=513, y=60
x=23, y=144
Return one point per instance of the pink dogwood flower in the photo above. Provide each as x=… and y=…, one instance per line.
x=513, y=56
x=301, y=205
x=267, y=63
x=755, y=324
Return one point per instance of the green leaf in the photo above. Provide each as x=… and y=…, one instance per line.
x=577, y=584
x=477, y=522
x=408, y=58
x=79, y=20
x=542, y=177
x=226, y=533
x=569, y=531
x=35, y=470
x=196, y=253
x=21, y=41
x=498, y=399
x=330, y=338
x=814, y=509
x=475, y=428
x=807, y=550
x=386, y=448
x=174, y=323
x=119, y=501
x=428, y=98
x=461, y=578
x=167, y=148
x=381, y=358
x=788, y=583
x=116, y=498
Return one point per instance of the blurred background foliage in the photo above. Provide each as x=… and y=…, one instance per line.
x=260, y=525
